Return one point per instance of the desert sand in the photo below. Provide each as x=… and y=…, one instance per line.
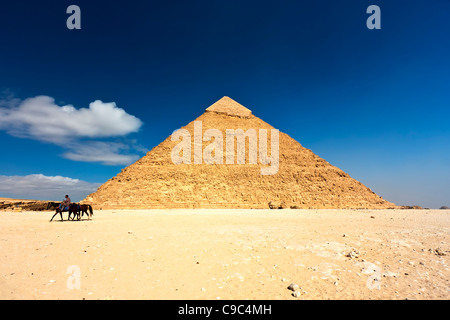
x=227, y=254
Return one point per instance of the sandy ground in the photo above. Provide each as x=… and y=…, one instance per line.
x=226, y=254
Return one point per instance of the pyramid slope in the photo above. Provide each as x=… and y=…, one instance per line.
x=304, y=180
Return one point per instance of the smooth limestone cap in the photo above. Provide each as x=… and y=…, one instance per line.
x=230, y=107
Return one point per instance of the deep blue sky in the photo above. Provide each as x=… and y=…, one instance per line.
x=374, y=103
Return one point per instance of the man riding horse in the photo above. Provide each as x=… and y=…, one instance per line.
x=64, y=206
x=75, y=208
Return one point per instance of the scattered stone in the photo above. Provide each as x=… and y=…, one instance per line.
x=293, y=287
x=352, y=254
x=272, y=206
x=390, y=274
x=438, y=252
x=281, y=205
x=296, y=294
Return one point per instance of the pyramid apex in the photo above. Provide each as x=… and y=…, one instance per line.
x=230, y=107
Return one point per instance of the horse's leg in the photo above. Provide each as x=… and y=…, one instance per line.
x=54, y=215
x=57, y=211
x=74, y=214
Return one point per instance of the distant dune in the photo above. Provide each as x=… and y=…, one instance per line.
x=23, y=204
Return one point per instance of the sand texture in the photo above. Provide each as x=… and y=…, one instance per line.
x=227, y=254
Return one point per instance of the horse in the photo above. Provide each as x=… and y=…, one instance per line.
x=73, y=208
x=80, y=210
x=83, y=208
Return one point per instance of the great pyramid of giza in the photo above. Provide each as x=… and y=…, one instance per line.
x=301, y=178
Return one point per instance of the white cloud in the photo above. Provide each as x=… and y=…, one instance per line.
x=40, y=118
x=108, y=153
x=41, y=187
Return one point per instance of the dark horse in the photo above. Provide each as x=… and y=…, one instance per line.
x=73, y=208
x=83, y=208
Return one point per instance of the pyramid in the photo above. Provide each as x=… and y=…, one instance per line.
x=302, y=179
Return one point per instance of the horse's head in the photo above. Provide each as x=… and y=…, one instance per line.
x=51, y=205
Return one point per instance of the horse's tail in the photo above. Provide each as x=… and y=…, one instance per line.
x=90, y=210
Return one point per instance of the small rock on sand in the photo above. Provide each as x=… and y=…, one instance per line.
x=438, y=252
x=352, y=254
x=293, y=287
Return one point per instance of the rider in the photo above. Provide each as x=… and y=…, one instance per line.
x=65, y=204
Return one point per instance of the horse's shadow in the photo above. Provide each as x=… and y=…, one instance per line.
x=73, y=220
